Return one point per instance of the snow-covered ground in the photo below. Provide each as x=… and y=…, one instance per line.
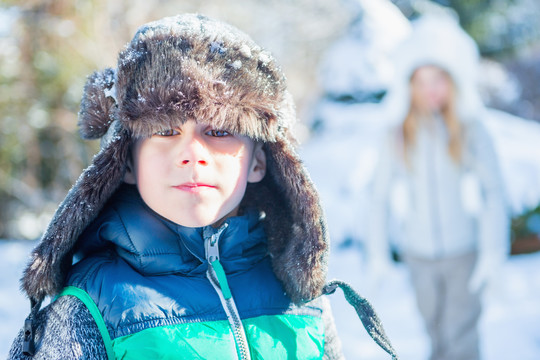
x=14, y=307
x=510, y=326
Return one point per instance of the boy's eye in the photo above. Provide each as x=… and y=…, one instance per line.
x=218, y=133
x=168, y=132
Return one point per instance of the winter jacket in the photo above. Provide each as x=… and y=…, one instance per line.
x=148, y=278
x=443, y=209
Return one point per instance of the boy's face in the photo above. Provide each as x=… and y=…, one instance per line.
x=195, y=175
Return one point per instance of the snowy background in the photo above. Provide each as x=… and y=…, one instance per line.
x=341, y=160
x=341, y=154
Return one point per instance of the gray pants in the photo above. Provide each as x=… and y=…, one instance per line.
x=450, y=311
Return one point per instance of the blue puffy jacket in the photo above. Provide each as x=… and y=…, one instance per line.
x=154, y=289
x=152, y=282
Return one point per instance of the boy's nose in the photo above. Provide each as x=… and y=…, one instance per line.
x=187, y=161
x=193, y=153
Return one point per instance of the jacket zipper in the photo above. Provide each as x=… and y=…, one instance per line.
x=216, y=276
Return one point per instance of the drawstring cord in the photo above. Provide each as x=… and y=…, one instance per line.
x=365, y=312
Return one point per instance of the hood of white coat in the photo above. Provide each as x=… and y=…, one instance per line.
x=436, y=40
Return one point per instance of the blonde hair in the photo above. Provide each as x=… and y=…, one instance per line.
x=451, y=121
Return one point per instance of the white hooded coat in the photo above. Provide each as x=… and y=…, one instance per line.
x=444, y=209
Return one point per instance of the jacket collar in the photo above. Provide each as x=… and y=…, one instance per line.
x=154, y=245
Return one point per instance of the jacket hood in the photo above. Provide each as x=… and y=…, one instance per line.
x=190, y=67
x=435, y=40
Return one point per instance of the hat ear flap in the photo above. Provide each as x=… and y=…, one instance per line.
x=98, y=104
x=297, y=236
x=46, y=271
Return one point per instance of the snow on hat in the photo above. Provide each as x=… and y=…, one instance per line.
x=175, y=69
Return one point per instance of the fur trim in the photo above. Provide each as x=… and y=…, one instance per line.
x=97, y=108
x=300, y=257
x=46, y=272
x=294, y=222
x=191, y=67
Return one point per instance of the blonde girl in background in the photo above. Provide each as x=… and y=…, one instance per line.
x=438, y=176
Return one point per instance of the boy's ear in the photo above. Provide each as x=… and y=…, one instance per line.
x=258, y=164
x=129, y=176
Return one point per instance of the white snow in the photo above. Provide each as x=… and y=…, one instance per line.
x=509, y=327
x=517, y=142
x=14, y=307
x=360, y=60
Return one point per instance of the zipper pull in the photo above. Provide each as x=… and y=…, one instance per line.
x=212, y=256
x=29, y=347
x=211, y=240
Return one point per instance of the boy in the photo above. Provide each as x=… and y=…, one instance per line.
x=196, y=232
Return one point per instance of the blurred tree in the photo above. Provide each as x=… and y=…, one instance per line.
x=37, y=109
x=500, y=27
x=526, y=232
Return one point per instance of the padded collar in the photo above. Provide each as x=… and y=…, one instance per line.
x=154, y=245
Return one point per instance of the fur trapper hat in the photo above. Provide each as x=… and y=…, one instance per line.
x=192, y=67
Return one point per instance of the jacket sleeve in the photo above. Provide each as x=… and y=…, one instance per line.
x=494, y=222
x=64, y=329
x=332, y=343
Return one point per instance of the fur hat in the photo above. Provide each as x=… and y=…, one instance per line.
x=192, y=67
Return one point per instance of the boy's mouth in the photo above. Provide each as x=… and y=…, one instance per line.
x=193, y=187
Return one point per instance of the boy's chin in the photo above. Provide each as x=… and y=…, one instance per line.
x=200, y=222
x=197, y=218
